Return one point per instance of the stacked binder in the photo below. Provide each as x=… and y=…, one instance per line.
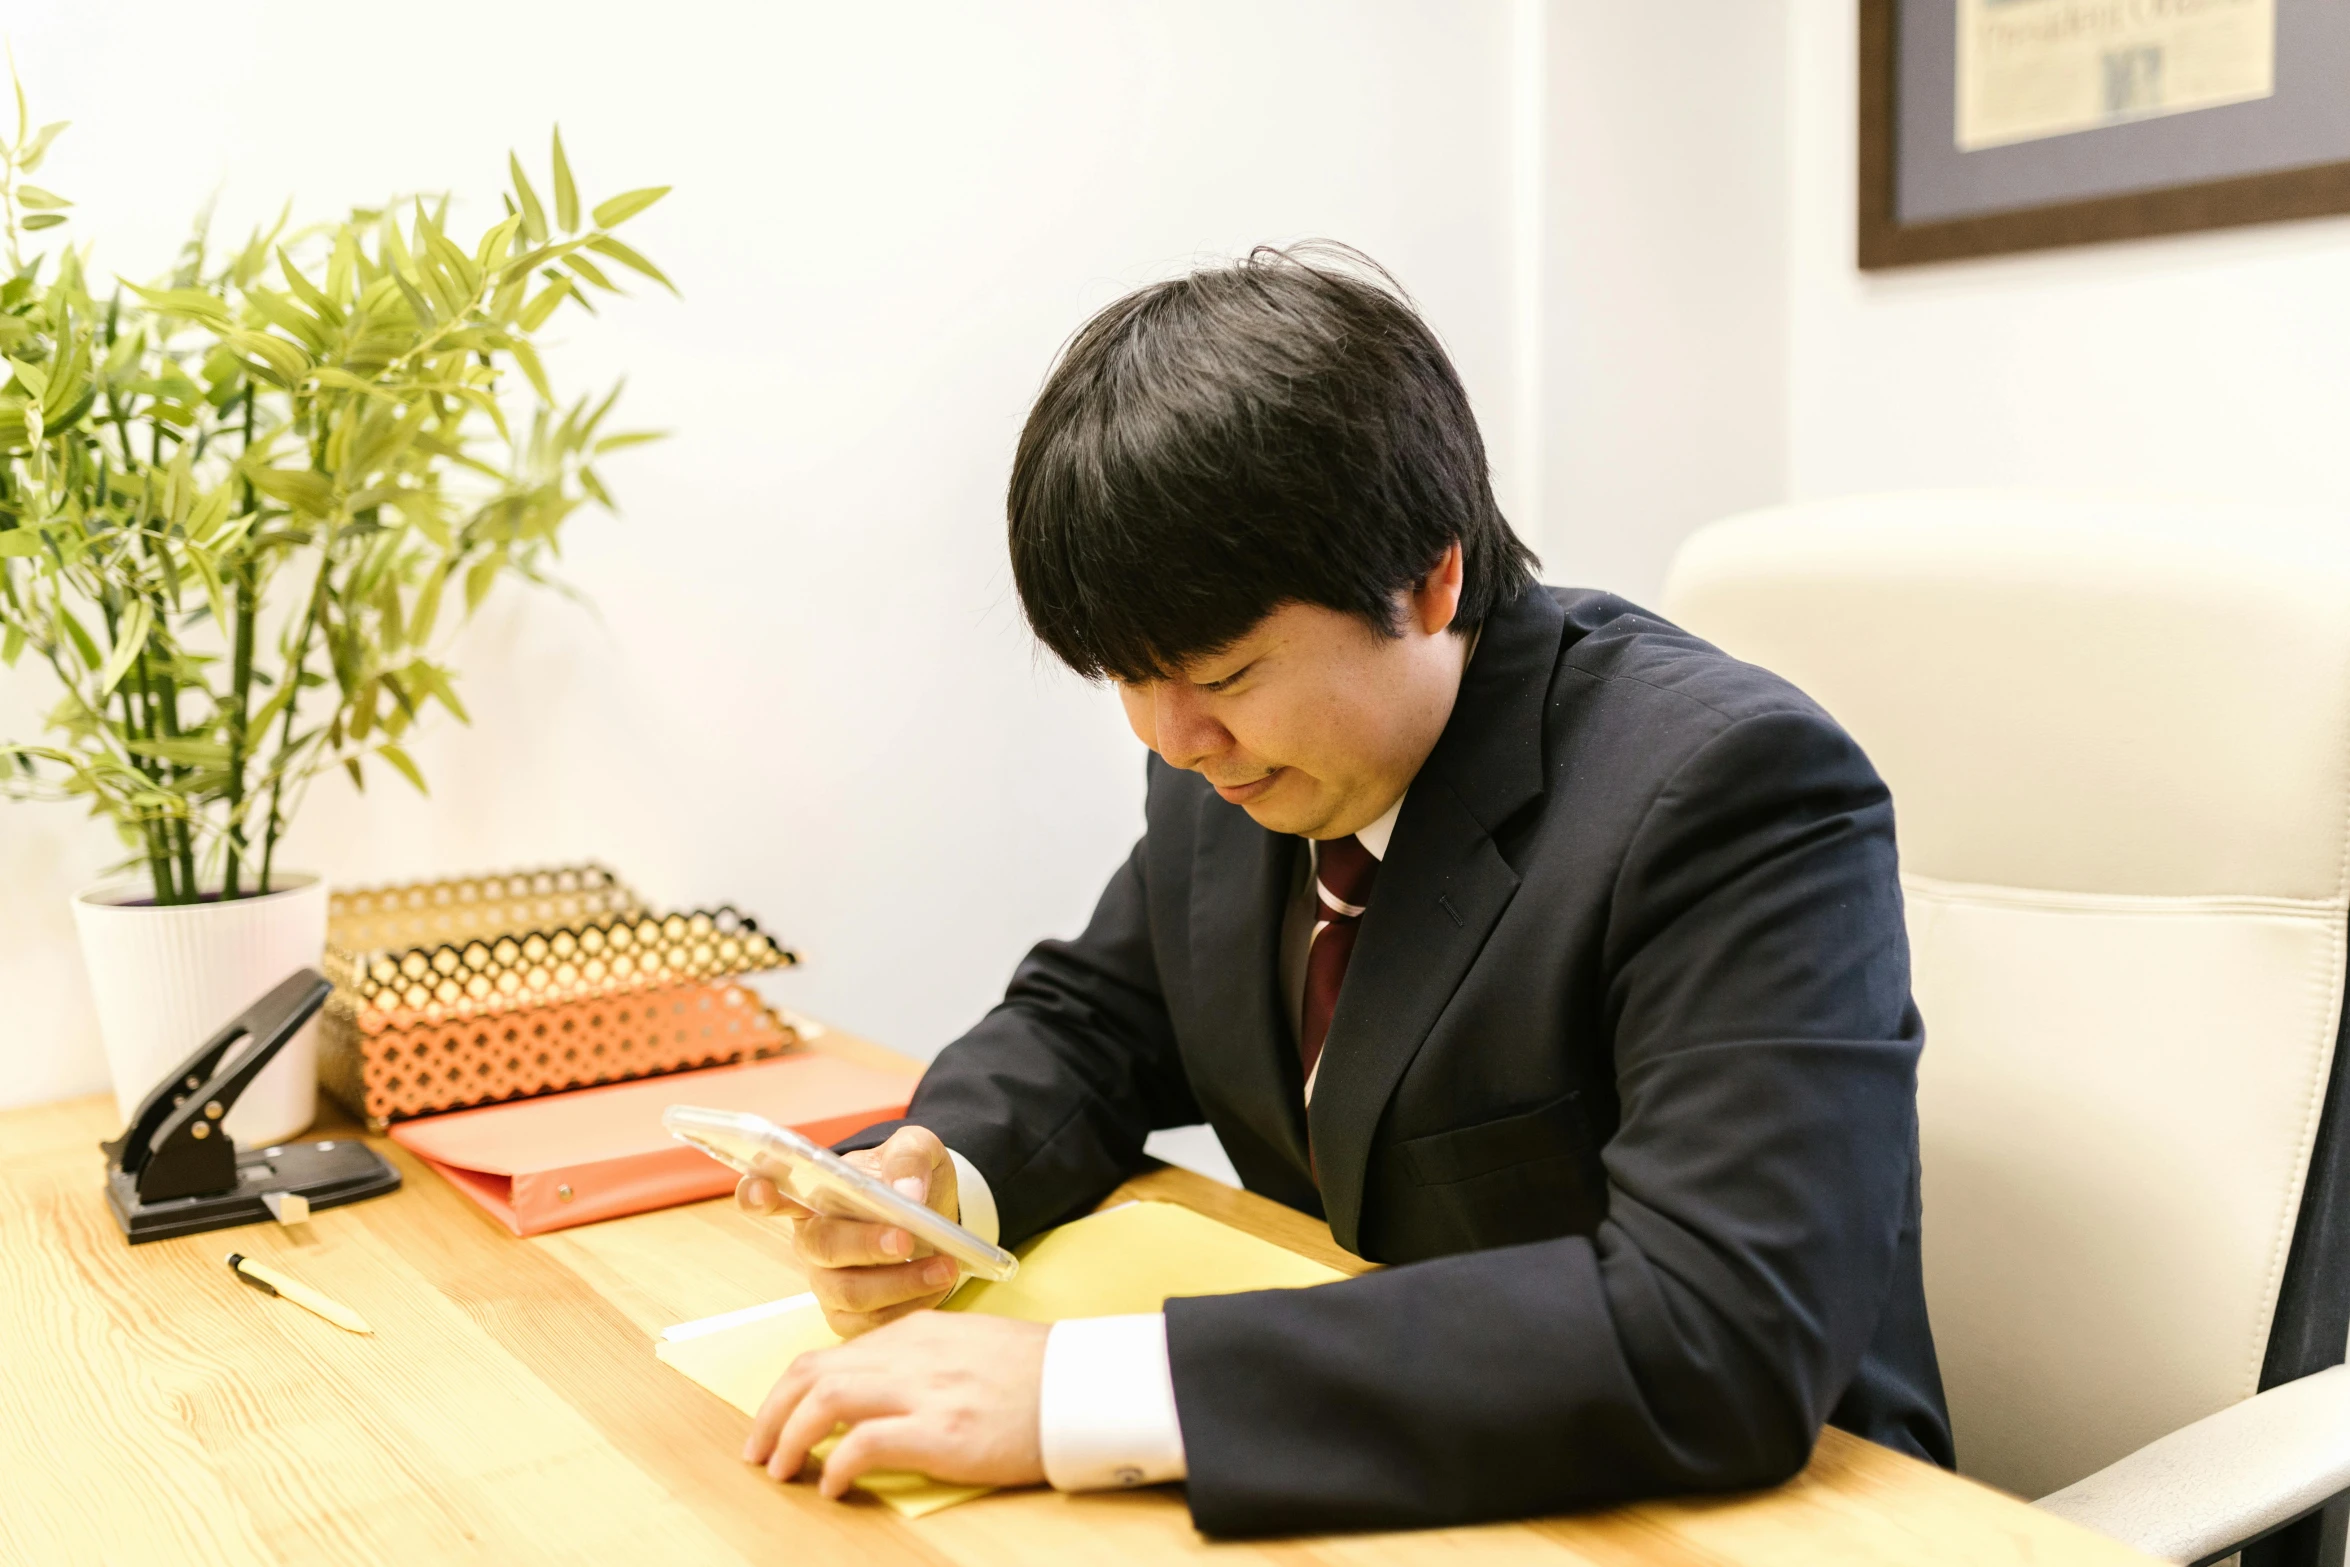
x=502, y=1027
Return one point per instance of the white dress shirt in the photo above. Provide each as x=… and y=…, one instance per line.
x=1105, y=1415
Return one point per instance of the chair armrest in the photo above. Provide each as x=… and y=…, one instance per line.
x=2209, y=1487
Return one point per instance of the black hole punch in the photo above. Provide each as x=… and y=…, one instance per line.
x=168, y=1174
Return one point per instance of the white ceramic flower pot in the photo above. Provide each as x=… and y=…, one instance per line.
x=168, y=978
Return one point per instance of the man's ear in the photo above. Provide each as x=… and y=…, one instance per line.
x=1436, y=598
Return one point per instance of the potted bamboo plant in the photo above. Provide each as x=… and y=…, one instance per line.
x=240, y=511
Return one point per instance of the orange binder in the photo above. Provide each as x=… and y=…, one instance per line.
x=597, y=1153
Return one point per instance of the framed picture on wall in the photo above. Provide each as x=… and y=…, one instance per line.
x=1989, y=126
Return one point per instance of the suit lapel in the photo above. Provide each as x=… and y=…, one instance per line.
x=1441, y=890
x=1239, y=890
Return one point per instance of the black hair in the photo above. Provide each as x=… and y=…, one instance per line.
x=1274, y=430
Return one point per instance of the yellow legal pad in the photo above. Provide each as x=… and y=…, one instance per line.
x=1127, y=1259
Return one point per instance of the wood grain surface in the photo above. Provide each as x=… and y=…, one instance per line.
x=508, y=1410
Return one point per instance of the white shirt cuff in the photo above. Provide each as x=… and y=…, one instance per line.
x=977, y=1199
x=1106, y=1412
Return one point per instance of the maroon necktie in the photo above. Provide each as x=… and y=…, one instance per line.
x=1343, y=875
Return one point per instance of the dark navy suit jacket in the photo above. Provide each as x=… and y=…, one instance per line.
x=1622, y=1081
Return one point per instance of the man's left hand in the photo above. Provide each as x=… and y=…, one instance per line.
x=951, y=1395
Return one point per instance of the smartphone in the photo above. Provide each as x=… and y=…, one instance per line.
x=815, y=1177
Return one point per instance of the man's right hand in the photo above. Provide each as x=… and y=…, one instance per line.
x=866, y=1274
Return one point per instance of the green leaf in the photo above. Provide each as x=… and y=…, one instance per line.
x=202, y=560
x=127, y=643
x=362, y=708
x=508, y=298
x=597, y=418
x=435, y=681
x=80, y=638
x=493, y=246
x=517, y=265
x=209, y=512
x=39, y=200
x=279, y=311
x=626, y=205
x=329, y=375
x=457, y=455
x=308, y=292
x=311, y=493
x=43, y=220
x=487, y=404
x=185, y=751
x=66, y=382
x=393, y=627
x=440, y=249
x=20, y=542
x=478, y=578
x=423, y=508
x=358, y=779
x=70, y=416
x=392, y=246
x=627, y=438
x=342, y=266
x=534, y=315
x=534, y=217
x=34, y=378
x=605, y=245
x=29, y=160
x=427, y=612
x=396, y=721
x=416, y=305
x=123, y=357
x=406, y=768
x=193, y=303
x=528, y=357
x=11, y=640
x=285, y=362
x=566, y=193
x=589, y=270
x=277, y=704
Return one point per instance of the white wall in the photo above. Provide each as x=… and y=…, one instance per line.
x=1663, y=323
x=2213, y=363
x=807, y=688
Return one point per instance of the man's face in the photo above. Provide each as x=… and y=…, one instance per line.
x=1313, y=722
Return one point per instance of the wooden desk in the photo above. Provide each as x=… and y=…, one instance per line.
x=508, y=1410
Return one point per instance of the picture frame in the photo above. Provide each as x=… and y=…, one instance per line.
x=1923, y=198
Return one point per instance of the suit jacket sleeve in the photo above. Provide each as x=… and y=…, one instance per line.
x=1757, y=977
x=1052, y=1094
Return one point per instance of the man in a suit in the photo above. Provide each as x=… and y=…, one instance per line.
x=1552, y=955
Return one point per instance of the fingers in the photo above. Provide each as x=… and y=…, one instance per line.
x=782, y=1399
x=777, y=1407
x=910, y=1162
x=893, y=1442
x=855, y=1324
x=805, y=1408
x=830, y=1401
x=850, y=1243
x=954, y=1397
x=863, y=1290
x=757, y=1194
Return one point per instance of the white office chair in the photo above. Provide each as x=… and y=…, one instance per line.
x=2118, y=739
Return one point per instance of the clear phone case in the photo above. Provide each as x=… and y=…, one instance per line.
x=815, y=1177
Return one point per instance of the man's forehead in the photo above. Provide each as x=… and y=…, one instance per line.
x=1277, y=627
